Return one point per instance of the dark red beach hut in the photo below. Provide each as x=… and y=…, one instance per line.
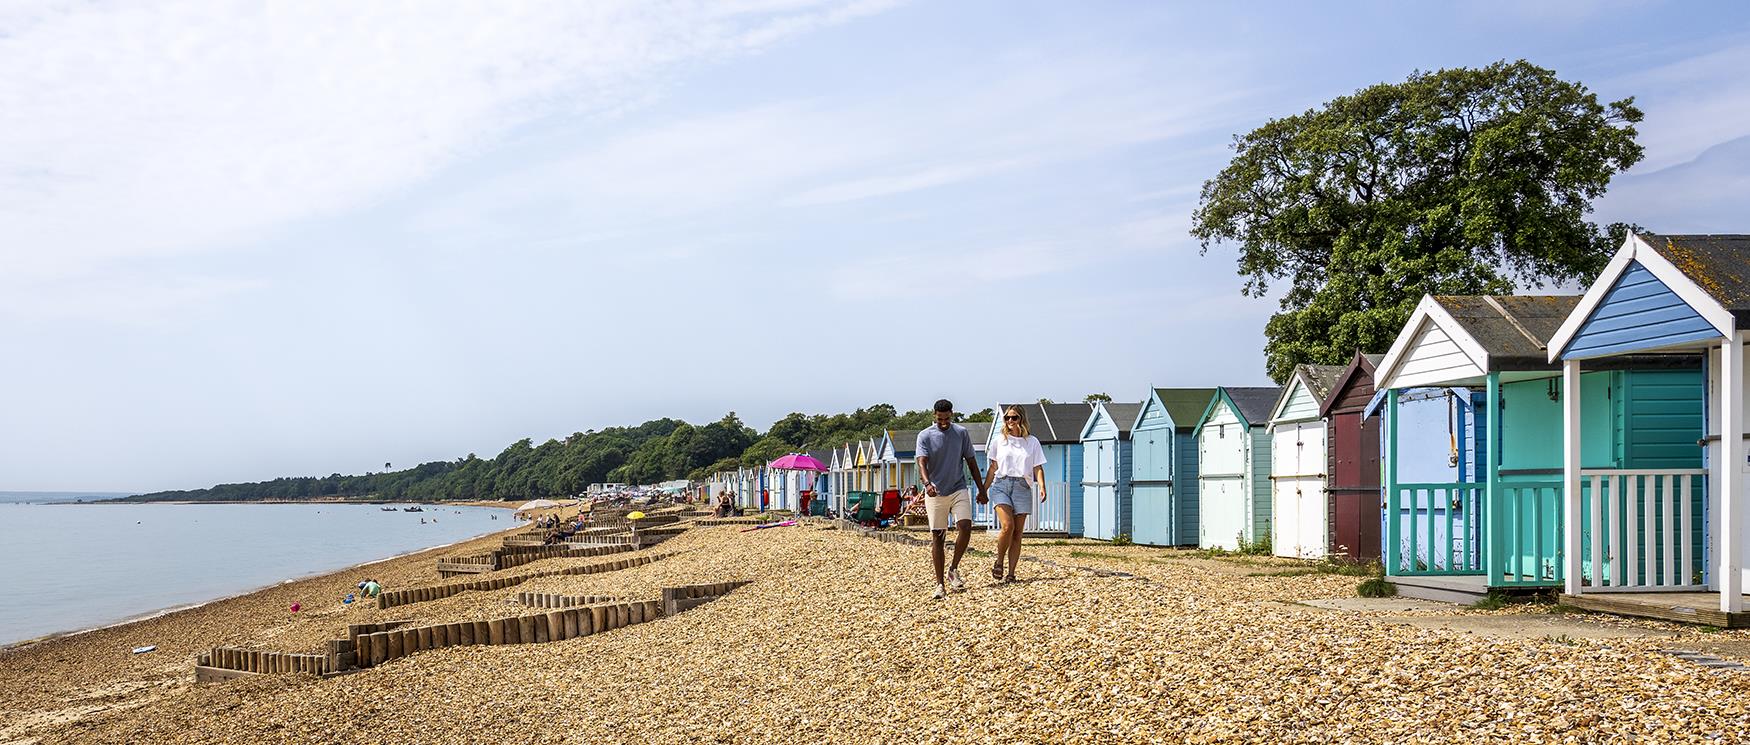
x=1352, y=446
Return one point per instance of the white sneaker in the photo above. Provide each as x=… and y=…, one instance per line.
x=955, y=581
x=941, y=592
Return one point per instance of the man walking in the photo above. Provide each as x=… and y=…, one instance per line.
x=944, y=456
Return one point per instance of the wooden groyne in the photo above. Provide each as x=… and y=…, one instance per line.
x=369, y=645
x=438, y=592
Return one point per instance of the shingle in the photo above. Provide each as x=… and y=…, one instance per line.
x=1185, y=405
x=1320, y=378
x=1718, y=264
x=1254, y=402
x=1514, y=329
x=1053, y=423
x=1124, y=415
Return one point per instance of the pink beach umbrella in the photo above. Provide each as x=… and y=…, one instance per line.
x=797, y=462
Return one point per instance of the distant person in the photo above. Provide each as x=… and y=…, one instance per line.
x=372, y=589
x=944, y=457
x=1017, y=474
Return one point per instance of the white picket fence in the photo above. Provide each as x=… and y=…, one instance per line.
x=1641, y=529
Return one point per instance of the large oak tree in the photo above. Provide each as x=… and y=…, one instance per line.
x=1461, y=181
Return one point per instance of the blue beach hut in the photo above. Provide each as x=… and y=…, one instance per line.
x=1646, y=538
x=1163, y=466
x=1233, y=467
x=1106, y=464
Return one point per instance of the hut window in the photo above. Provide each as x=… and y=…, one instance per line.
x=1221, y=431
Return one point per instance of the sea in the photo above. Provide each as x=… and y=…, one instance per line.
x=70, y=566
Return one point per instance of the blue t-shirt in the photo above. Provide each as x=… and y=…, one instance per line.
x=947, y=451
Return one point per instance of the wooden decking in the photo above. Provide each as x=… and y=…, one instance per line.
x=1683, y=607
x=1463, y=588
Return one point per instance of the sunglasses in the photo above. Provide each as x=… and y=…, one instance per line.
x=1011, y=418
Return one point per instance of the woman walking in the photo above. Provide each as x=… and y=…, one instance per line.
x=1016, y=474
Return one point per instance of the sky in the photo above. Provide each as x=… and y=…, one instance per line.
x=242, y=241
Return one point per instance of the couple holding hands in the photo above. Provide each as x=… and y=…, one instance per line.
x=1014, y=480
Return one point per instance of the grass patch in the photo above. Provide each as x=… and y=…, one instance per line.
x=1079, y=554
x=1495, y=600
x=1122, y=539
x=1300, y=572
x=1376, y=587
x=1706, y=629
x=1561, y=639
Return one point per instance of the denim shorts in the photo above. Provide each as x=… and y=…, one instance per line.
x=1014, y=492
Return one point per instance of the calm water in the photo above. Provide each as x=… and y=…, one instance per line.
x=65, y=567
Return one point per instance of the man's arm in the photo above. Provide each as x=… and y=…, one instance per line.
x=977, y=481
x=924, y=473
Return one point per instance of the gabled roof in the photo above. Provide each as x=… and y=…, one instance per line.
x=824, y=456
x=979, y=432
x=901, y=443
x=1123, y=416
x=1359, y=368
x=1184, y=405
x=1711, y=273
x=1316, y=379
x=1052, y=423
x=1251, y=403
x=1496, y=332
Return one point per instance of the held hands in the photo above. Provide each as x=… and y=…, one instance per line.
x=983, y=495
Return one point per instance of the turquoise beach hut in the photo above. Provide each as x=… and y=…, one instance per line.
x=1493, y=520
x=1650, y=536
x=1163, y=466
x=1233, y=467
x=1106, y=464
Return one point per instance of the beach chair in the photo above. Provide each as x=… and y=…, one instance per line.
x=890, y=505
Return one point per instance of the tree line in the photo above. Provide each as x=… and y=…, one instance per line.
x=657, y=450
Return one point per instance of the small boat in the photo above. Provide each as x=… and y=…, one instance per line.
x=387, y=509
x=413, y=509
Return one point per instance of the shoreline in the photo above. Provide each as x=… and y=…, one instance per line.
x=150, y=615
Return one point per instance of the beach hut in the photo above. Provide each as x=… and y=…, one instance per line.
x=1352, y=475
x=1106, y=464
x=1648, y=536
x=1496, y=521
x=1163, y=466
x=1059, y=428
x=1233, y=468
x=1299, y=506
x=897, y=453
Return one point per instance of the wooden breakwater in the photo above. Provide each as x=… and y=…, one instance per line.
x=369, y=645
x=514, y=556
x=438, y=592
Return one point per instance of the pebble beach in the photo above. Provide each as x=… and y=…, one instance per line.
x=837, y=640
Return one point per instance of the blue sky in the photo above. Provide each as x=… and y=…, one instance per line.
x=241, y=243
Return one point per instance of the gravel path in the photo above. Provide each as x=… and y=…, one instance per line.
x=837, y=641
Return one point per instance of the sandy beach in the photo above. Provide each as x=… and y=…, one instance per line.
x=836, y=640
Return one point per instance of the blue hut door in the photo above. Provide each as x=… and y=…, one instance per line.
x=1100, y=490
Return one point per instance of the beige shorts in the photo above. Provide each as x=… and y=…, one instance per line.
x=947, y=509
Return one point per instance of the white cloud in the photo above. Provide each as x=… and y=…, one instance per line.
x=1011, y=115
x=1691, y=104
x=135, y=130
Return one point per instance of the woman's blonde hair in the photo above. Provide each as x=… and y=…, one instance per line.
x=1022, y=420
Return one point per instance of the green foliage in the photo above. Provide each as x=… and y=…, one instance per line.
x=1495, y=600
x=1462, y=181
x=1260, y=547
x=1122, y=539
x=657, y=450
x=984, y=415
x=1376, y=587
x=1101, y=397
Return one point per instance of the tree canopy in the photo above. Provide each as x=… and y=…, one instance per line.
x=656, y=450
x=1462, y=181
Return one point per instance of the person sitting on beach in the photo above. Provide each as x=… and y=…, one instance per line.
x=372, y=589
